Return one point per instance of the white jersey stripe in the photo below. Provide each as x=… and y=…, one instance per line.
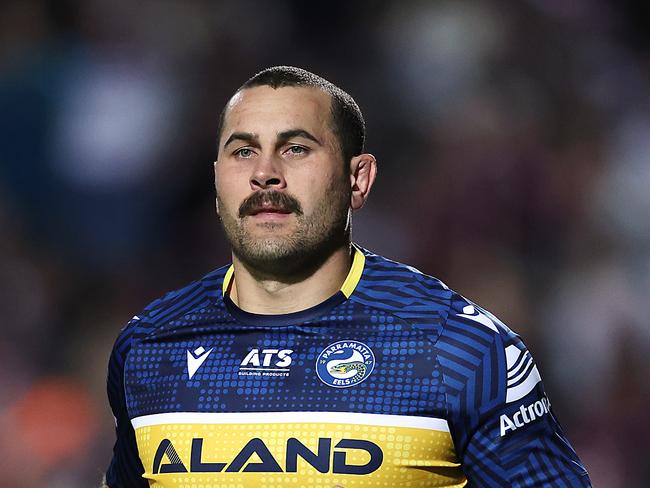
x=427, y=423
x=514, y=393
x=522, y=371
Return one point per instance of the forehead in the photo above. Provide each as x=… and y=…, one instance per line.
x=263, y=108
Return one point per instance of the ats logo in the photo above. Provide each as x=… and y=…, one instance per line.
x=324, y=459
x=266, y=362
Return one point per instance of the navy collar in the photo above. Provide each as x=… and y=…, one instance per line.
x=293, y=318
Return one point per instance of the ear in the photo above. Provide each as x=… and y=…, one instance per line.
x=216, y=200
x=363, y=171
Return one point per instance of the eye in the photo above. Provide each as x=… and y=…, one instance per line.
x=244, y=152
x=296, y=150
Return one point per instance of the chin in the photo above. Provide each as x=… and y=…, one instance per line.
x=273, y=249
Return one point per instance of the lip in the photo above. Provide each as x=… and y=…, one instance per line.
x=267, y=209
x=271, y=214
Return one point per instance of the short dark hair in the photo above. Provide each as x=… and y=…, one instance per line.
x=346, y=117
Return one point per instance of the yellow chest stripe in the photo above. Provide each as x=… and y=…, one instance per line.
x=294, y=449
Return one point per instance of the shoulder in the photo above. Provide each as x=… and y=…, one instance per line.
x=485, y=365
x=473, y=335
x=423, y=301
x=469, y=325
x=176, y=303
x=428, y=304
x=397, y=287
x=472, y=344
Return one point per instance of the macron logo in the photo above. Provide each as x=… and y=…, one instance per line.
x=195, y=359
x=469, y=312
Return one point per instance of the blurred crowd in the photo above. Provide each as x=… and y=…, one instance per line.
x=514, y=148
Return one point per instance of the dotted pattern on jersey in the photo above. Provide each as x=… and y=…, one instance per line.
x=402, y=383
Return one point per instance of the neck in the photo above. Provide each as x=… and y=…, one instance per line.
x=273, y=295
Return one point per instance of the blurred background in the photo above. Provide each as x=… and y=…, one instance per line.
x=514, y=148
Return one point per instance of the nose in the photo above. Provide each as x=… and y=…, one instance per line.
x=267, y=174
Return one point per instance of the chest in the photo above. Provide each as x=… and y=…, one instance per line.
x=351, y=364
x=348, y=400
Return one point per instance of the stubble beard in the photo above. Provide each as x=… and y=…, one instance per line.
x=315, y=238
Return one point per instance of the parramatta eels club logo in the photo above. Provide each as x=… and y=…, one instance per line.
x=345, y=363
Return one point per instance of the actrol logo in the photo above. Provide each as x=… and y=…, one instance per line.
x=524, y=416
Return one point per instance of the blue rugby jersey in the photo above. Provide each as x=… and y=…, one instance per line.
x=394, y=379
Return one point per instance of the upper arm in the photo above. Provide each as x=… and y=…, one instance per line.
x=125, y=469
x=502, y=423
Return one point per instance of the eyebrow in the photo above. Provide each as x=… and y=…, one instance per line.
x=243, y=136
x=289, y=134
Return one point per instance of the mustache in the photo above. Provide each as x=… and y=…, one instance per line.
x=277, y=200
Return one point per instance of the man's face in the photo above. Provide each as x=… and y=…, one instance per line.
x=283, y=191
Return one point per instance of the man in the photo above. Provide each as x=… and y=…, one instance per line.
x=310, y=361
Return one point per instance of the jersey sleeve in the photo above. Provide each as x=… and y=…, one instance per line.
x=125, y=469
x=500, y=418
